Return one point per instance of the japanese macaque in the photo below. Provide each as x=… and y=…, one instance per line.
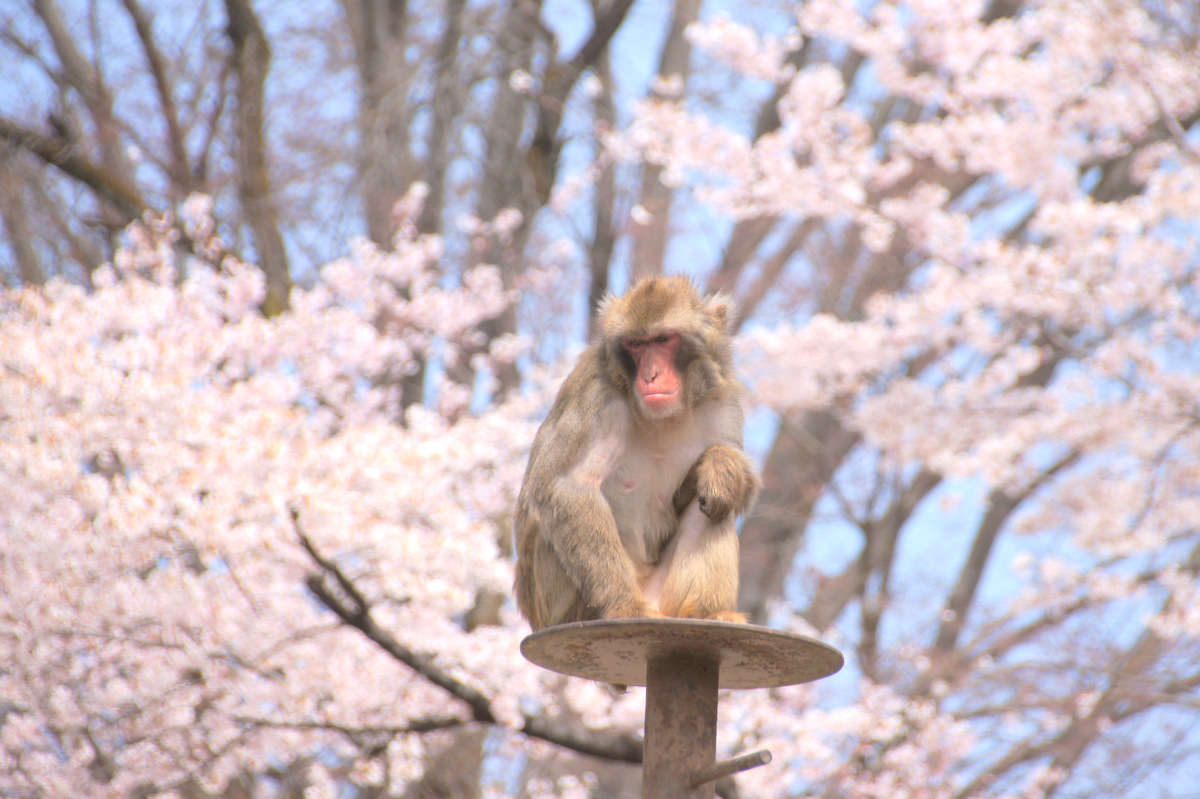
x=636, y=476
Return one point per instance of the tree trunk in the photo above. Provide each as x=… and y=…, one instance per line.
x=16, y=226
x=802, y=461
x=251, y=60
x=653, y=229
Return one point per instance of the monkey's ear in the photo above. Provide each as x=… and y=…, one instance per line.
x=722, y=309
x=608, y=312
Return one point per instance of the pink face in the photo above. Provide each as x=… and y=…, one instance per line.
x=657, y=383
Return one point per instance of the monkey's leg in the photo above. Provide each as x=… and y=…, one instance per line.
x=697, y=576
x=547, y=594
x=584, y=555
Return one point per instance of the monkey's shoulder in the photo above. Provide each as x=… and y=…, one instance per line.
x=585, y=394
x=586, y=415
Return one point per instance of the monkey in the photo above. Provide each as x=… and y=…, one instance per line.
x=635, y=479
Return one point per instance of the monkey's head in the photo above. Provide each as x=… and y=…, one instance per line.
x=666, y=347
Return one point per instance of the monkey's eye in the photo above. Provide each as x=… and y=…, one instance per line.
x=662, y=338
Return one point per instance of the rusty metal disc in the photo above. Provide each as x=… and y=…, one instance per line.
x=616, y=651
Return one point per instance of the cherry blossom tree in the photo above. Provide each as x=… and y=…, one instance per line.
x=240, y=560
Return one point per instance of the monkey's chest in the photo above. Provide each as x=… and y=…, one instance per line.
x=640, y=490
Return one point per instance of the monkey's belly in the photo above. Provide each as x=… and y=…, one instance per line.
x=645, y=520
x=640, y=490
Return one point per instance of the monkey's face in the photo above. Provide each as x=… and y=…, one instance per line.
x=657, y=384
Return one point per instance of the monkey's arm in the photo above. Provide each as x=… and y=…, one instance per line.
x=723, y=477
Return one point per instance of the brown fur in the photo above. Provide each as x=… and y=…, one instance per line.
x=625, y=515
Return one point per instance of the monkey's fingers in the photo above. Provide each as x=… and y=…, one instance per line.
x=685, y=493
x=725, y=482
x=715, y=509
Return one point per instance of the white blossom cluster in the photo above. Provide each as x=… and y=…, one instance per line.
x=156, y=437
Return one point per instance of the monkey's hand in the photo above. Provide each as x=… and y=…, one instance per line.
x=725, y=482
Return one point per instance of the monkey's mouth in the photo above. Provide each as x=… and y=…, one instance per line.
x=659, y=400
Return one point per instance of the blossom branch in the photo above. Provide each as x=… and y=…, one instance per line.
x=1124, y=698
x=352, y=731
x=349, y=604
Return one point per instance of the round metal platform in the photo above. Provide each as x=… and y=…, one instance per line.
x=617, y=651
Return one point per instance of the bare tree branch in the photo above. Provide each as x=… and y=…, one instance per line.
x=385, y=164
x=604, y=239
x=748, y=234
x=1000, y=507
x=584, y=740
x=80, y=75
x=803, y=459
x=605, y=28
x=179, y=168
x=560, y=79
x=770, y=269
x=881, y=536
x=64, y=154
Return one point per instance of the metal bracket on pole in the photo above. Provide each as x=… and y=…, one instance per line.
x=733, y=765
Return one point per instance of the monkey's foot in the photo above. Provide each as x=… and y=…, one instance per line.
x=730, y=615
x=641, y=610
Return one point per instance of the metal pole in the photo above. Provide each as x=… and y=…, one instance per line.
x=681, y=724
